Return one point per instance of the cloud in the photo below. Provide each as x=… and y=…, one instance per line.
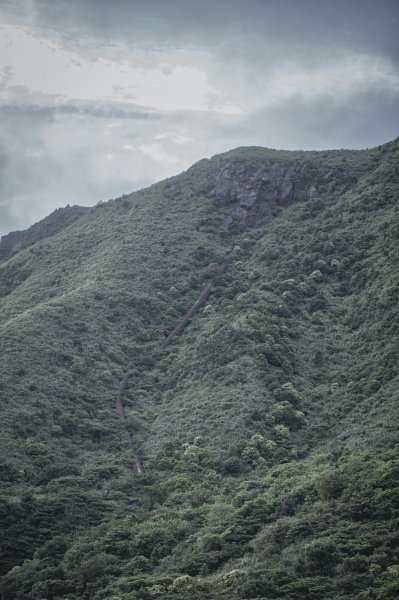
x=249, y=29
x=88, y=109
x=352, y=72
x=360, y=120
x=98, y=99
x=161, y=81
x=50, y=158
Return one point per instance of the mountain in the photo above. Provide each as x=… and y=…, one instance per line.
x=14, y=242
x=199, y=387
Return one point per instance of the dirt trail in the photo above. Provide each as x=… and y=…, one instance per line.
x=200, y=301
x=137, y=466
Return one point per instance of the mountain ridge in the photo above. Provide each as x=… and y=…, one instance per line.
x=15, y=241
x=266, y=431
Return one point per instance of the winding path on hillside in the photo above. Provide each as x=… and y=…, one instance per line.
x=137, y=466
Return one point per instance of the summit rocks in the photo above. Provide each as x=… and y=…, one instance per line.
x=254, y=191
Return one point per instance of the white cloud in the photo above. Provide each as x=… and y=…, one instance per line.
x=346, y=74
x=157, y=81
x=174, y=80
x=159, y=154
x=179, y=135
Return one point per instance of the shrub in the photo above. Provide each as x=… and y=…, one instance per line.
x=316, y=276
x=232, y=465
x=34, y=447
x=330, y=485
x=287, y=392
x=319, y=557
x=286, y=414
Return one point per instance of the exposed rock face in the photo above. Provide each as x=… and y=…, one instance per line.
x=253, y=192
x=16, y=241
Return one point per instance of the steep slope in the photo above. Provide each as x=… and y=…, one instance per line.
x=14, y=242
x=265, y=432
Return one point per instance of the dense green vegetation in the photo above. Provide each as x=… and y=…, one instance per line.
x=268, y=431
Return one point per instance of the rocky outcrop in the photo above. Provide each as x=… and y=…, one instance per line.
x=253, y=192
x=14, y=242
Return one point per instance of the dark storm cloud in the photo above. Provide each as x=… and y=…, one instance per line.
x=253, y=24
x=89, y=109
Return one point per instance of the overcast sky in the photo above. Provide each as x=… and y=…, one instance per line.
x=100, y=98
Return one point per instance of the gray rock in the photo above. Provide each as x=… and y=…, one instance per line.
x=253, y=192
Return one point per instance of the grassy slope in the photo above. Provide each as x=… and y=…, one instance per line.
x=252, y=488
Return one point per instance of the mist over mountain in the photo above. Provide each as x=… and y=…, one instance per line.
x=199, y=386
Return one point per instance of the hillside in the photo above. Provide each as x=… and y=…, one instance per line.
x=15, y=241
x=254, y=454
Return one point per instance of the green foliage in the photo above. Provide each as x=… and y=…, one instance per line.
x=287, y=393
x=267, y=431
